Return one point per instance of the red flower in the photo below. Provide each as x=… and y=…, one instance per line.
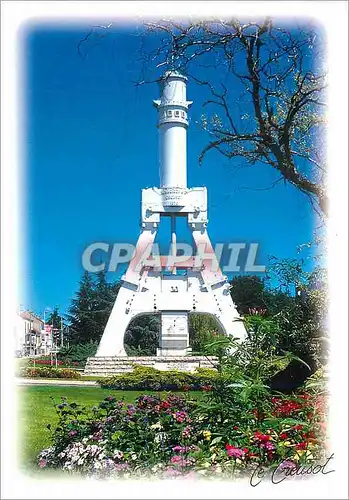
x=206, y=388
x=186, y=388
x=298, y=427
x=283, y=435
x=235, y=427
x=259, y=436
x=309, y=434
x=285, y=408
x=301, y=446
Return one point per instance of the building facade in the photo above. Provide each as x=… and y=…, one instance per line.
x=32, y=337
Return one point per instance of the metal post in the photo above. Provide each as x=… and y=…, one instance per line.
x=61, y=332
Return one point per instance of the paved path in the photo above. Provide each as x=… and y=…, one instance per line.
x=63, y=382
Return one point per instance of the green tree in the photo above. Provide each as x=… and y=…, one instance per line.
x=91, y=308
x=105, y=295
x=55, y=320
x=250, y=292
x=247, y=292
x=302, y=324
x=202, y=328
x=142, y=335
x=81, y=314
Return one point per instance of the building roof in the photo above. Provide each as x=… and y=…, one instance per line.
x=30, y=316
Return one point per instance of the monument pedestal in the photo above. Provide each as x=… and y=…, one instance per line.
x=161, y=352
x=103, y=366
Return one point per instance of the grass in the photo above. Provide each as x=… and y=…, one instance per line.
x=36, y=410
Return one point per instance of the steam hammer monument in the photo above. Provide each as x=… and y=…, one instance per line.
x=173, y=285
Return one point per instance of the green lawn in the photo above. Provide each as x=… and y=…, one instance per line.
x=36, y=410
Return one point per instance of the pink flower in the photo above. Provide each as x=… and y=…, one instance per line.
x=180, y=449
x=180, y=460
x=186, y=432
x=177, y=459
x=268, y=446
x=181, y=416
x=42, y=463
x=233, y=451
x=287, y=464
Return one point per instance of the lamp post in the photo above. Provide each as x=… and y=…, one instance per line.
x=48, y=309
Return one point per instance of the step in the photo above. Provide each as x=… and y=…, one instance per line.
x=113, y=365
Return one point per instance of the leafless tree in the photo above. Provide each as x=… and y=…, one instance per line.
x=269, y=105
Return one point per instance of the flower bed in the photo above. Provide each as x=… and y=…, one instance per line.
x=235, y=426
x=49, y=372
x=50, y=362
x=148, y=378
x=176, y=436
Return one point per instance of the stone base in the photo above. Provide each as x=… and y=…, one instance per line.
x=103, y=366
x=162, y=352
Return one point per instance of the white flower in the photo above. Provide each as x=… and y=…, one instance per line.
x=156, y=426
x=161, y=436
x=157, y=467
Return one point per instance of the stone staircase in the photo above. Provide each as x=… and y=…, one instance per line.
x=104, y=366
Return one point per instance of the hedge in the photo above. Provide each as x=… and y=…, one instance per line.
x=48, y=372
x=147, y=378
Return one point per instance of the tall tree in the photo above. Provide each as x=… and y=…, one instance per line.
x=266, y=88
x=250, y=292
x=90, y=309
x=105, y=295
x=81, y=314
x=55, y=320
x=247, y=292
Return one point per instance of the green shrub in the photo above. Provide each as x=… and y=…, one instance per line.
x=48, y=372
x=147, y=378
x=78, y=353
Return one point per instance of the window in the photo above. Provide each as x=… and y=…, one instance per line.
x=169, y=113
x=183, y=114
x=176, y=113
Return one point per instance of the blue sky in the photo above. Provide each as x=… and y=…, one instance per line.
x=91, y=145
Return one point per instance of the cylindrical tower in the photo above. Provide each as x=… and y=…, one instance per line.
x=172, y=124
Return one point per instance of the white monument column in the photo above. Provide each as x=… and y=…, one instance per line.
x=153, y=285
x=172, y=124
